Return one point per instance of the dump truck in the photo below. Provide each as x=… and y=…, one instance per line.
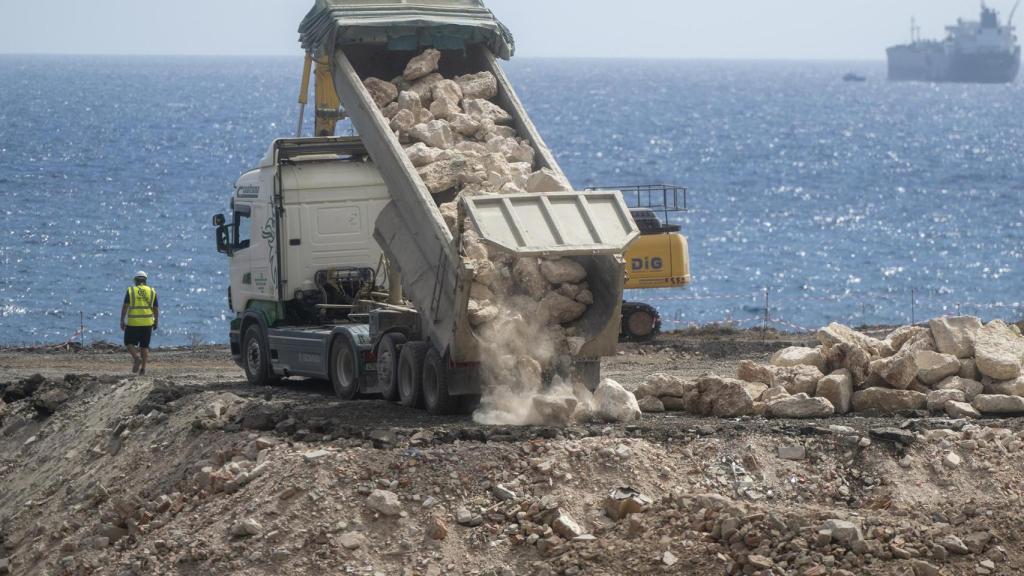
x=342, y=266
x=658, y=258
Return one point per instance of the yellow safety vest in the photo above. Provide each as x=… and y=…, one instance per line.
x=140, y=306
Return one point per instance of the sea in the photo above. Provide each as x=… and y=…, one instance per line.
x=809, y=199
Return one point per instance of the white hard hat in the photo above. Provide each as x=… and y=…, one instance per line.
x=141, y=274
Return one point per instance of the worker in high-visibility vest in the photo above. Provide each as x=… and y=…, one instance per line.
x=140, y=315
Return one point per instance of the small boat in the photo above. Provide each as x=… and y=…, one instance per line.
x=851, y=77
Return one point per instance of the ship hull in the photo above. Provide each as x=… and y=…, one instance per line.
x=930, y=63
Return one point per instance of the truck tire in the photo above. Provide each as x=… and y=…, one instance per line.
x=410, y=374
x=344, y=369
x=387, y=364
x=640, y=322
x=256, y=357
x=435, y=385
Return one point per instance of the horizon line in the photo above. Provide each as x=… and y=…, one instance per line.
x=525, y=57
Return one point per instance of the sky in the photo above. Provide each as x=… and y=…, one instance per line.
x=692, y=29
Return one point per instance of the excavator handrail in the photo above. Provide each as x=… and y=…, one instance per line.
x=647, y=196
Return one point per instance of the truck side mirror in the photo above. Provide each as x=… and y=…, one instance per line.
x=224, y=240
x=218, y=220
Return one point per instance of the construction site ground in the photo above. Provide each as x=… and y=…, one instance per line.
x=188, y=470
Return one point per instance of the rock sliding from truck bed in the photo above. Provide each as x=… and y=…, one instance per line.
x=956, y=366
x=462, y=143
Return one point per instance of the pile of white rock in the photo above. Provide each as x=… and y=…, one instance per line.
x=457, y=138
x=462, y=143
x=956, y=365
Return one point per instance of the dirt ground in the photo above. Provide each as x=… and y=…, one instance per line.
x=190, y=471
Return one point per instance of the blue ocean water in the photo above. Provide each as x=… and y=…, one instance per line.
x=871, y=202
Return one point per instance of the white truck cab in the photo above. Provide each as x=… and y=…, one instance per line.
x=299, y=238
x=329, y=204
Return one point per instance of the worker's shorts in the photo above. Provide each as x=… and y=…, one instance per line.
x=138, y=336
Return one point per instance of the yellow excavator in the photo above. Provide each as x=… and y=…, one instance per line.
x=658, y=258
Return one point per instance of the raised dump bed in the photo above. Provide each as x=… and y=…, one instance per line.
x=377, y=39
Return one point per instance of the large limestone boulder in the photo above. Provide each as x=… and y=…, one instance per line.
x=969, y=369
x=849, y=357
x=900, y=336
x=480, y=85
x=555, y=410
x=546, y=180
x=410, y=101
x=421, y=155
x=774, y=393
x=614, y=403
x=970, y=388
x=558, y=309
x=801, y=379
x=424, y=88
x=934, y=367
x=441, y=175
x=800, y=406
x=466, y=125
x=836, y=333
x=562, y=271
x=526, y=272
x=998, y=404
x=382, y=91
x=444, y=108
x=447, y=90
x=799, y=356
x=955, y=334
x=422, y=65
x=481, y=109
x=887, y=400
x=436, y=133
x=660, y=384
x=726, y=397
x=1005, y=388
x=402, y=122
x=937, y=399
x=837, y=388
x=999, y=351
x=796, y=379
x=897, y=371
x=750, y=371
x=651, y=404
x=961, y=410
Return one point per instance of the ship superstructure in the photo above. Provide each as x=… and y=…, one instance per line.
x=982, y=51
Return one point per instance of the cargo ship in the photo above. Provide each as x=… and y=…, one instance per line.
x=983, y=51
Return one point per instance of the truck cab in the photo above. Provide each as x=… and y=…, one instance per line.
x=300, y=247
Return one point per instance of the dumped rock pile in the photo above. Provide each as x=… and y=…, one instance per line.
x=464, y=144
x=955, y=365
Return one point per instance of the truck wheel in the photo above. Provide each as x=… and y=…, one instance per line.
x=640, y=322
x=387, y=364
x=435, y=385
x=344, y=370
x=410, y=374
x=256, y=358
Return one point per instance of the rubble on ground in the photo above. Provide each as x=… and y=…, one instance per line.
x=200, y=473
x=955, y=365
